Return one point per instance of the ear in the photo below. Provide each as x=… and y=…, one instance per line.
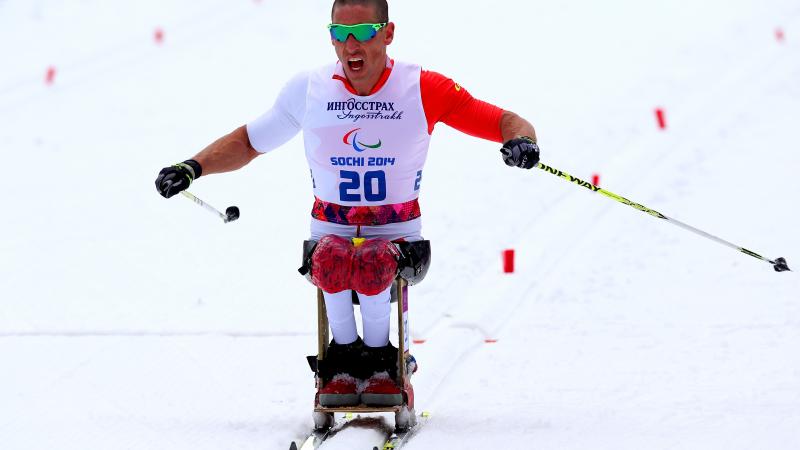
x=389, y=33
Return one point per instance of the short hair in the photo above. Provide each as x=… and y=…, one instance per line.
x=381, y=7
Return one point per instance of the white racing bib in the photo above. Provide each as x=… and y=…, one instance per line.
x=366, y=150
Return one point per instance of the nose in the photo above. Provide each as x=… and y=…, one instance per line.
x=352, y=44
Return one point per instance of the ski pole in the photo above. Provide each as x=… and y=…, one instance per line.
x=231, y=213
x=779, y=264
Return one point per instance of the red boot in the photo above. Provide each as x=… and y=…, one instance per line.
x=335, y=372
x=342, y=390
x=381, y=390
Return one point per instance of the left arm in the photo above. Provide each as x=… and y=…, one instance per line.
x=445, y=101
x=513, y=126
x=520, y=148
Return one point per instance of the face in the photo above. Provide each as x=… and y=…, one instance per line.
x=363, y=62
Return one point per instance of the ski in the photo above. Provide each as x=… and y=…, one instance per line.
x=313, y=441
x=315, y=438
x=399, y=438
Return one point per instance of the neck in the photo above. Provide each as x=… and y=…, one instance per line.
x=365, y=87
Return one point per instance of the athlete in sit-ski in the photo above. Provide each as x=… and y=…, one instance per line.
x=367, y=122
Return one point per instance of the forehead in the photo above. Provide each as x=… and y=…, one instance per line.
x=353, y=14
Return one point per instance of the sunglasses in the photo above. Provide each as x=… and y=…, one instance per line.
x=361, y=31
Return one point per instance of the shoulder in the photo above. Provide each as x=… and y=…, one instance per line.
x=408, y=71
x=326, y=71
x=301, y=78
x=405, y=65
x=433, y=75
x=304, y=77
x=435, y=84
x=297, y=86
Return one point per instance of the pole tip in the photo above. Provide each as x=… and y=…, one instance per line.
x=231, y=214
x=780, y=265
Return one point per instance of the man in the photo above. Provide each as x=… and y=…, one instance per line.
x=366, y=122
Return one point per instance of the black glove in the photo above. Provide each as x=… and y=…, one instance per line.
x=521, y=152
x=179, y=177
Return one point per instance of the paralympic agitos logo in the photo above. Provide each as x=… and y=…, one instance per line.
x=351, y=138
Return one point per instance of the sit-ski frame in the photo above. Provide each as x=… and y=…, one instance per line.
x=400, y=295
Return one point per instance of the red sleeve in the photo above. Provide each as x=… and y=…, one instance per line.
x=445, y=101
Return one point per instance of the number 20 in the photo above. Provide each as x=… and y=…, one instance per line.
x=352, y=181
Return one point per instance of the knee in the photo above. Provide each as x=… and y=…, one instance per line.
x=375, y=266
x=331, y=264
x=369, y=268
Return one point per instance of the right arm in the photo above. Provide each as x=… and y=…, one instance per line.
x=230, y=152
x=236, y=149
x=264, y=134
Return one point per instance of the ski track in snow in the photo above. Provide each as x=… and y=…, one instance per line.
x=617, y=331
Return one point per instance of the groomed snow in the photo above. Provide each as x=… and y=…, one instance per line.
x=129, y=321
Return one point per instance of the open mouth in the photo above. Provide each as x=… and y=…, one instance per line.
x=355, y=64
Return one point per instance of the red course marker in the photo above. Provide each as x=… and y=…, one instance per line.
x=779, y=35
x=660, y=117
x=50, y=76
x=158, y=35
x=596, y=179
x=508, y=261
x=418, y=341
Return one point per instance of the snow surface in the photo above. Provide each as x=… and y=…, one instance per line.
x=132, y=322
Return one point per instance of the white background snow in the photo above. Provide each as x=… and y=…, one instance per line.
x=132, y=322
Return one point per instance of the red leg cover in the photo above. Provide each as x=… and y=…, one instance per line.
x=374, y=266
x=331, y=264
